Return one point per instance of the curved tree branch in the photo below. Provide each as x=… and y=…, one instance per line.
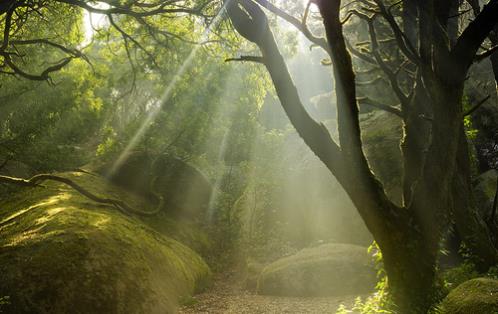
x=37, y=180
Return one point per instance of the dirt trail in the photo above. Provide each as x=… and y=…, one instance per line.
x=226, y=296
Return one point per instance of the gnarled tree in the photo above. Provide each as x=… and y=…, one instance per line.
x=436, y=177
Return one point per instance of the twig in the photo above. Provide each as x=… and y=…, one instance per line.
x=488, y=53
x=370, y=102
x=476, y=106
x=256, y=59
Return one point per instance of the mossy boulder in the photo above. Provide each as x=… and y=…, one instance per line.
x=484, y=190
x=62, y=253
x=185, y=189
x=476, y=296
x=16, y=169
x=381, y=135
x=326, y=270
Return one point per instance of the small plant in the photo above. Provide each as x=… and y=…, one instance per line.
x=5, y=300
x=457, y=275
x=379, y=302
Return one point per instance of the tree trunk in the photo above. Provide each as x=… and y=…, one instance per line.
x=410, y=268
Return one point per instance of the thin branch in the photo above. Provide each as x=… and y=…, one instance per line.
x=256, y=59
x=403, y=42
x=476, y=106
x=127, y=36
x=488, y=53
x=298, y=24
x=370, y=102
x=391, y=75
x=469, y=42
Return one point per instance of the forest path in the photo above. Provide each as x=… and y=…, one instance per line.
x=227, y=296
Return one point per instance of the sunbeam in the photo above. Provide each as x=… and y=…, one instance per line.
x=157, y=106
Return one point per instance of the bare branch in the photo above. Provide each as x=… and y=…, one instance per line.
x=486, y=54
x=473, y=36
x=256, y=59
x=403, y=42
x=476, y=106
x=370, y=102
x=298, y=24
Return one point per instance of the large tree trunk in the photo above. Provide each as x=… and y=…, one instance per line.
x=410, y=266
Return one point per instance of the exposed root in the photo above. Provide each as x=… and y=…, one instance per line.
x=37, y=180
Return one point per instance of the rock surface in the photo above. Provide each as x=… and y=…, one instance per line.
x=326, y=270
x=185, y=189
x=62, y=253
x=484, y=190
x=476, y=296
x=381, y=135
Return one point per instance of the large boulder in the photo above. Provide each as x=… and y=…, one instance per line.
x=62, y=253
x=381, y=135
x=184, y=188
x=16, y=169
x=485, y=190
x=326, y=270
x=324, y=106
x=476, y=296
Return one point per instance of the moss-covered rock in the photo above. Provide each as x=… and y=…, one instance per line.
x=184, y=188
x=62, y=253
x=326, y=270
x=484, y=190
x=381, y=135
x=476, y=296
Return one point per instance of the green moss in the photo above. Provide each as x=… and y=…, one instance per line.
x=330, y=269
x=381, y=135
x=476, y=296
x=61, y=253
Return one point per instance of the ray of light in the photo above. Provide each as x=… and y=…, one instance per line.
x=165, y=96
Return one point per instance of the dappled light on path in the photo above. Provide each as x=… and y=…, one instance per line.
x=226, y=296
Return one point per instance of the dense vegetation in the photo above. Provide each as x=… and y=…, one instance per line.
x=313, y=148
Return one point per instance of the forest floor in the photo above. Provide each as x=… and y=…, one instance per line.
x=227, y=296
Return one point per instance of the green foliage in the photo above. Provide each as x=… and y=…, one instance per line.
x=380, y=301
x=467, y=120
x=4, y=301
x=46, y=127
x=455, y=276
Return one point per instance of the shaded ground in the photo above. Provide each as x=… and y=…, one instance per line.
x=227, y=296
